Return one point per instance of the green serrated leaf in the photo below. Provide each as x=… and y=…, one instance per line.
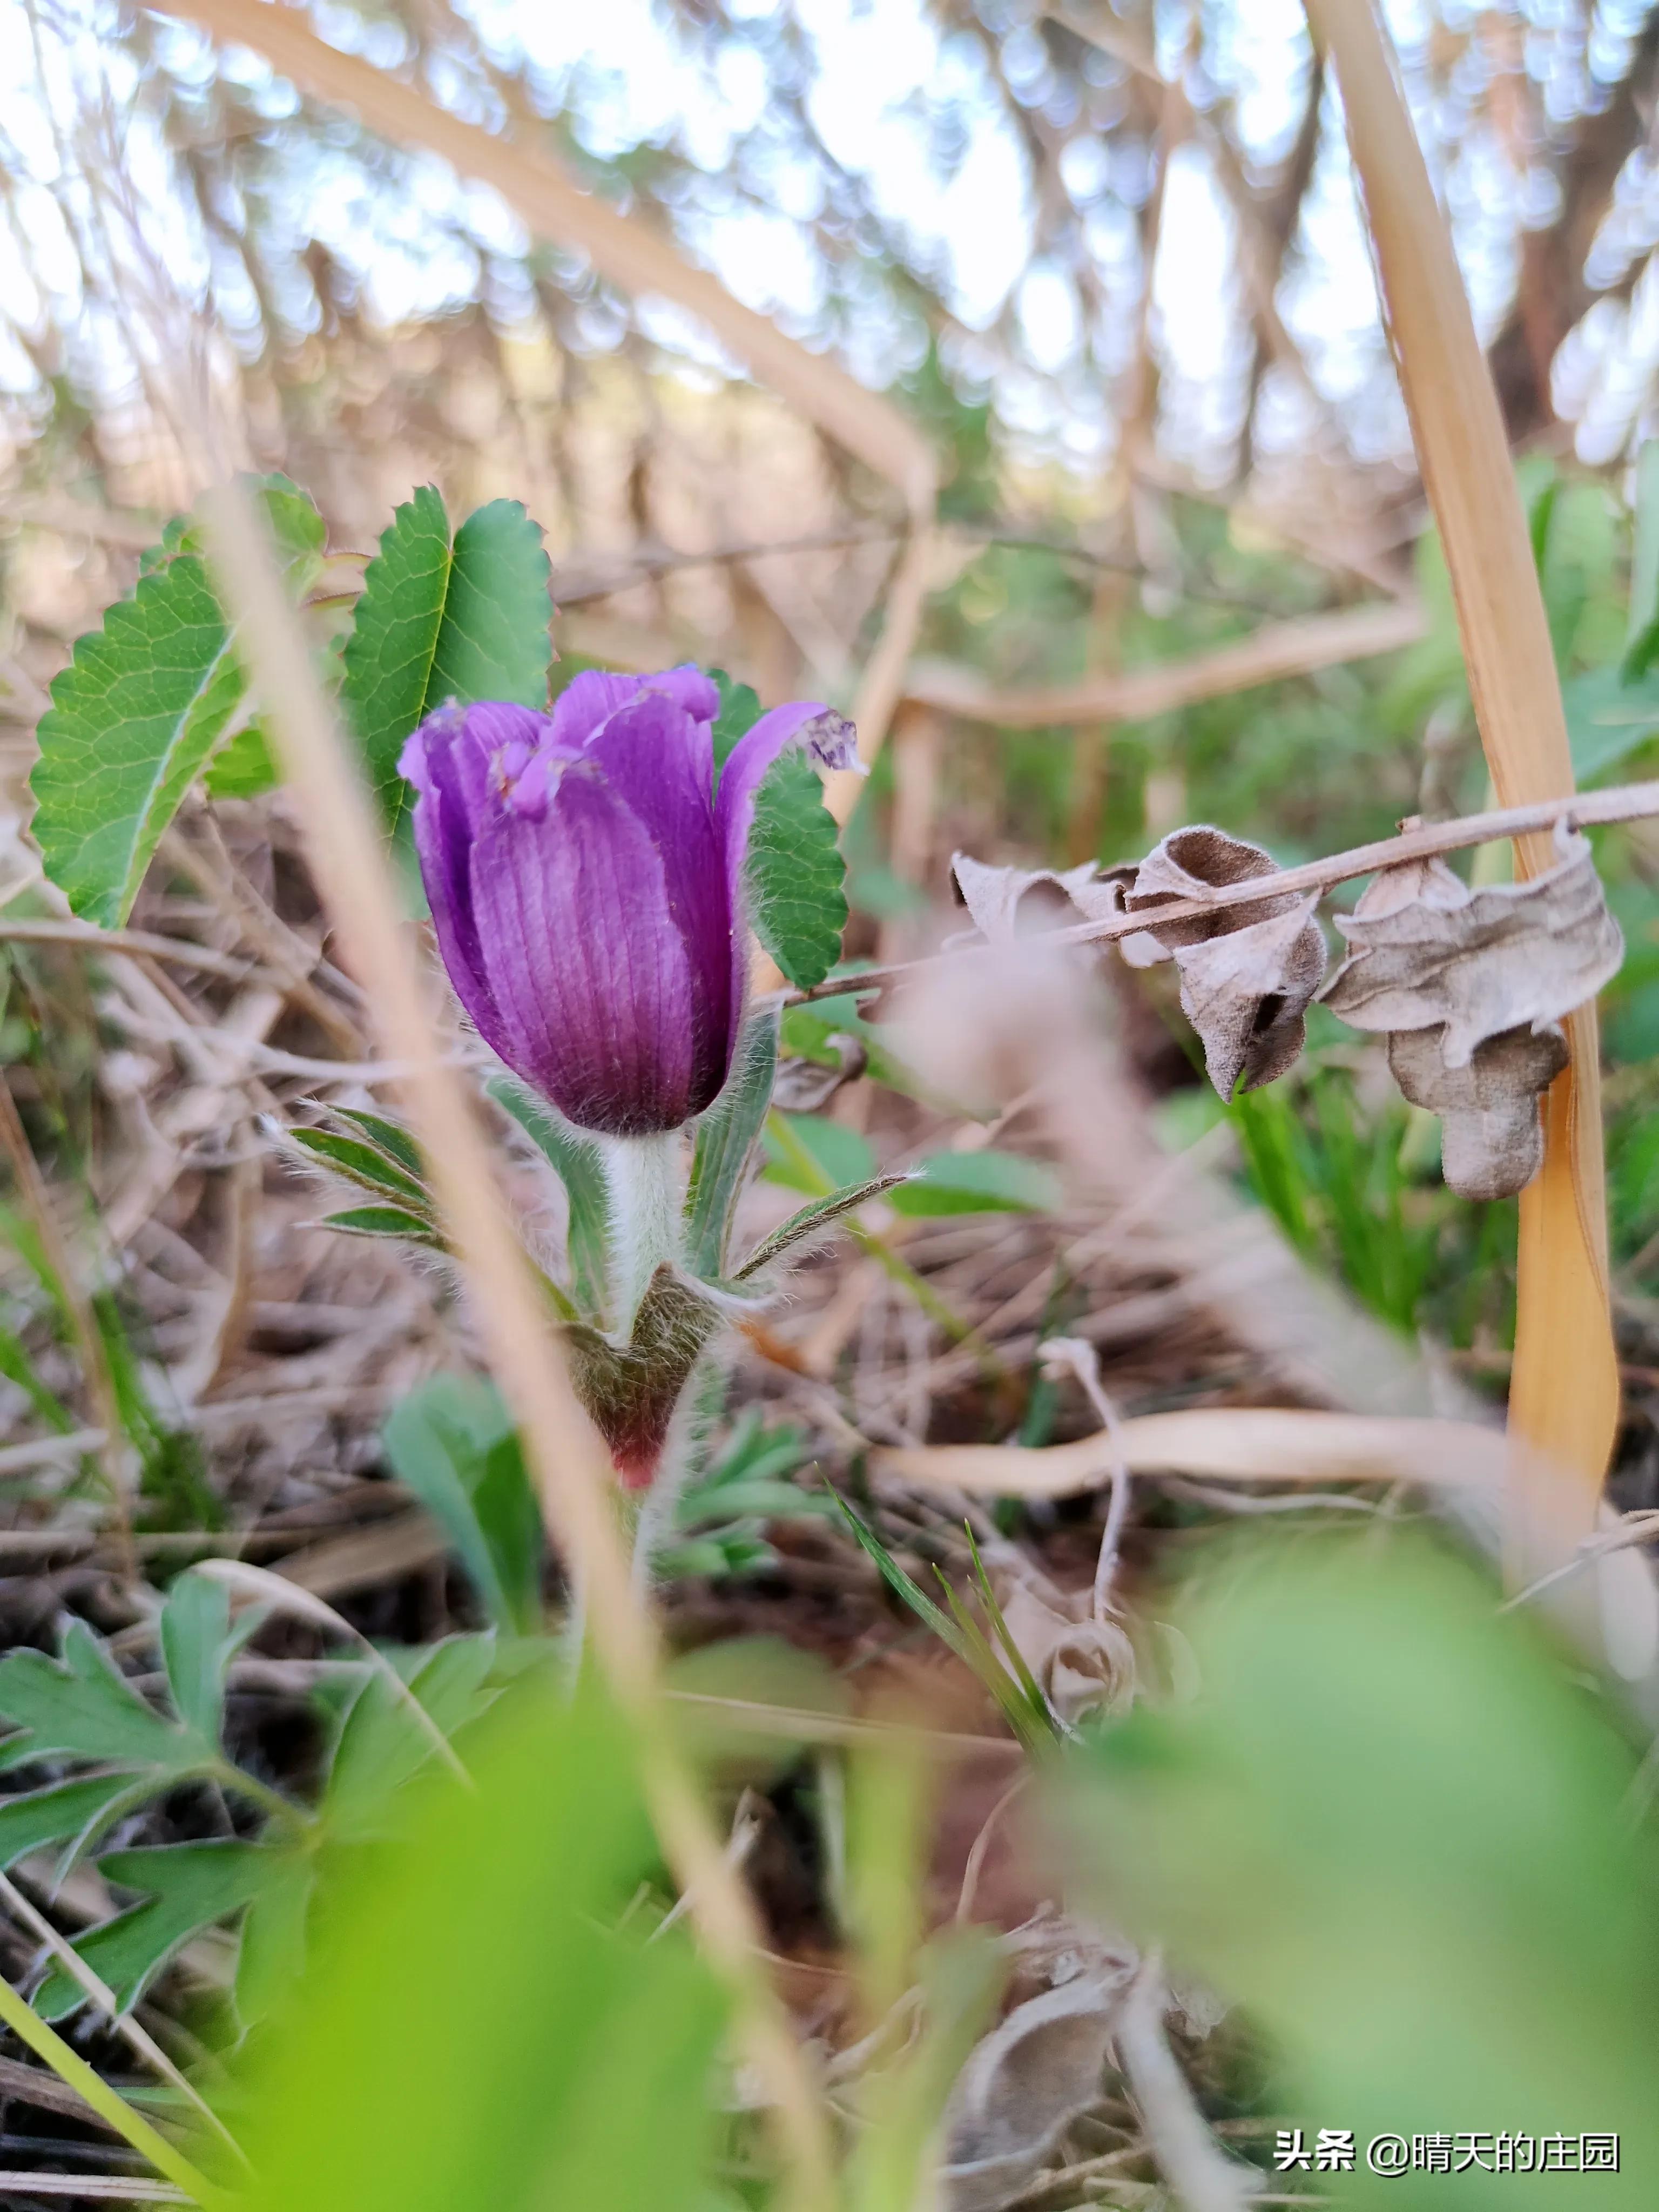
x=979, y=1182
x=364, y=1164
x=726, y=1136
x=198, y=1642
x=134, y=720
x=384, y=1221
x=453, y=1443
x=795, y=876
x=187, y=1888
x=382, y=1744
x=243, y=767
x=54, y=1816
x=740, y=709
x=140, y=711
x=272, y=1955
x=437, y=621
x=576, y=1160
x=83, y=1708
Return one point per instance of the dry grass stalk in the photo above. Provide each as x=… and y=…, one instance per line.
x=1565, y=1395
x=621, y=247
x=570, y=1464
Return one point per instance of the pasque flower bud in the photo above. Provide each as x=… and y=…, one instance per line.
x=584, y=873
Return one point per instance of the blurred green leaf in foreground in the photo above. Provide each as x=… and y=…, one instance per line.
x=1402, y=1835
x=478, y=2030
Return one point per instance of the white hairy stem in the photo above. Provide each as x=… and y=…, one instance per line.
x=645, y=1177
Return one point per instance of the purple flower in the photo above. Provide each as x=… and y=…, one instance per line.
x=586, y=881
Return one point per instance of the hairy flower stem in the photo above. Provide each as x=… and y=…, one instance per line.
x=644, y=1175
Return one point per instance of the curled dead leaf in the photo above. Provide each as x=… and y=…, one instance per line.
x=1491, y=1141
x=1009, y=902
x=1083, y=1665
x=1248, y=972
x=1469, y=987
x=1024, y=2085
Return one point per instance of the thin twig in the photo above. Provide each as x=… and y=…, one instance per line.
x=1201, y=2176
x=1639, y=1529
x=1076, y=1356
x=1627, y=802
x=353, y=875
x=134, y=944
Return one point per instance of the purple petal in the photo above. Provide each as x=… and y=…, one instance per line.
x=592, y=976
x=657, y=759
x=589, y=700
x=449, y=759
x=832, y=743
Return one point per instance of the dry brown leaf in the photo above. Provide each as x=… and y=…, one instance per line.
x=1247, y=972
x=1469, y=987
x=1026, y=2083
x=1492, y=1139
x=1083, y=1665
x=1009, y=902
x=1426, y=950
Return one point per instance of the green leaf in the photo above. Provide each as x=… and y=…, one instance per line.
x=389, y=1137
x=134, y=720
x=437, y=621
x=186, y=1886
x=18, y=1366
x=576, y=1160
x=453, y=1443
x=805, y=1151
x=819, y=1215
x=57, y=1814
x=474, y=2032
x=83, y=1708
x=795, y=877
x=740, y=709
x=243, y=767
x=979, y=1182
x=1608, y=720
x=794, y=874
x=383, y=1221
x=763, y=1501
x=725, y=1137
x=1398, y=1828
x=272, y=1955
x=364, y=1164
x=960, y=1635
x=198, y=1642
x=382, y=1744
x=141, y=708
